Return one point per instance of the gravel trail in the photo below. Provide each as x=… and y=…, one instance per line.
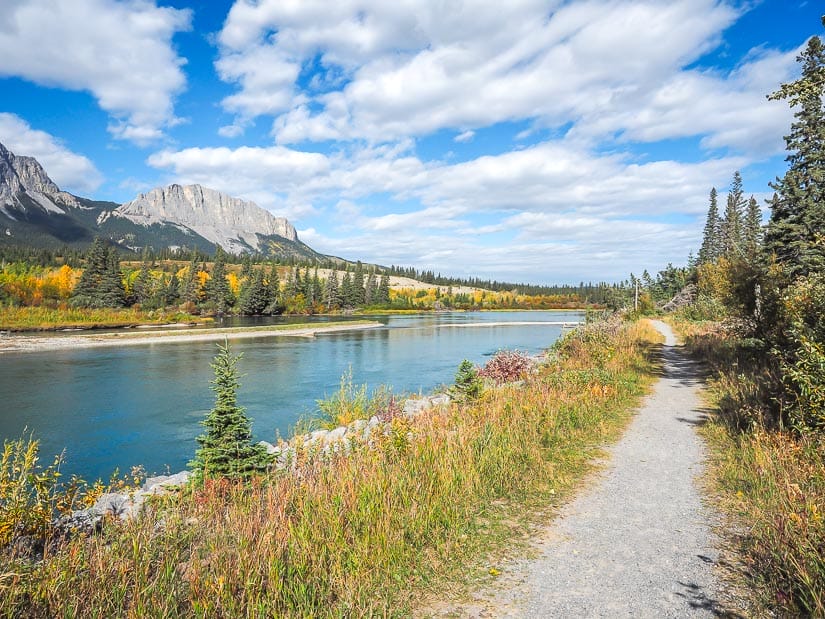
x=637, y=543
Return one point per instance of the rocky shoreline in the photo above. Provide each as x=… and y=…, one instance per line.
x=361, y=433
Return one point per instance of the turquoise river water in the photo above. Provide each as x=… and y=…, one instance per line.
x=117, y=407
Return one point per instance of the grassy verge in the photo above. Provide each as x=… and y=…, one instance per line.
x=362, y=534
x=772, y=483
x=50, y=319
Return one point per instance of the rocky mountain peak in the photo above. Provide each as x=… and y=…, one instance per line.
x=25, y=174
x=232, y=223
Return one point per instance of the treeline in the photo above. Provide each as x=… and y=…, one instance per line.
x=249, y=287
x=595, y=293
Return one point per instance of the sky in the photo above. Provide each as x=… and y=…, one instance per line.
x=541, y=141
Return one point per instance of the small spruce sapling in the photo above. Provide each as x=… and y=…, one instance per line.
x=226, y=448
x=468, y=384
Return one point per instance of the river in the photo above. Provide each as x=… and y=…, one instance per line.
x=118, y=407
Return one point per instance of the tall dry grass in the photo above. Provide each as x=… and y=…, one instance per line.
x=770, y=480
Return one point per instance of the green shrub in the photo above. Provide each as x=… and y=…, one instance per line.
x=468, y=383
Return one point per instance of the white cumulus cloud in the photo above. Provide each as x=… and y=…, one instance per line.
x=71, y=171
x=119, y=51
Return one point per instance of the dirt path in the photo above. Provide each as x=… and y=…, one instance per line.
x=638, y=541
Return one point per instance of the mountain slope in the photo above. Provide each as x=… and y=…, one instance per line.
x=34, y=212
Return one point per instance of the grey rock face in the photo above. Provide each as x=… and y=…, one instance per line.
x=26, y=175
x=232, y=223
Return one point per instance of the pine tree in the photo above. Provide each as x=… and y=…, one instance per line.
x=113, y=293
x=384, y=290
x=274, y=292
x=753, y=229
x=142, y=286
x=347, y=295
x=172, y=292
x=226, y=449
x=101, y=284
x=217, y=288
x=316, y=288
x=191, y=285
x=711, y=244
x=369, y=289
x=732, y=226
x=255, y=295
x=332, y=297
x=358, y=285
x=795, y=232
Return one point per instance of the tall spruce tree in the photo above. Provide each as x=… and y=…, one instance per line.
x=101, y=284
x=384, y=290
x=753, y=229
x=796, y=232
x=172, y=292
x=358, y=285
x=711, y=241
x=332, y=296
x=226, y=449
x=347, y=295
x=255, y=296
x=191, y=285
x=732, y=226
x=217, y=288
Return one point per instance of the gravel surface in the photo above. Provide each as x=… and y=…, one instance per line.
x=638, y=542
x=15, y=342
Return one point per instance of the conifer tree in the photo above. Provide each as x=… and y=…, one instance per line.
x=226, y=449
x=142, y=286
x=384, y=290
x=217, y=288
x=255, y=295
x=316, y=288
x=332, y=297
x=734, y=213
x=710, y=249
x=795, y=234
x=358, y=285
x=191, y=285
x=347, y=295
x=753, y=229
x=274, y=292
x=369, y=289
x=101, y=284
x=172, y=292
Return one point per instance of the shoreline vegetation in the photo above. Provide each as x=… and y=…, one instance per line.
x=35, y=343
x=370, y=530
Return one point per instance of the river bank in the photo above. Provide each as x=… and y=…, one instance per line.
x=12, y=342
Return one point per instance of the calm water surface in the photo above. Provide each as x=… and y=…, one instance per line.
x=113, y=408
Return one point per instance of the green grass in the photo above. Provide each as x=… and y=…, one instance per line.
x=43, y=318
x=770, y=482
x=359, y=535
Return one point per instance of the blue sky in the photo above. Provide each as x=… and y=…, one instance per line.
x=541, y=141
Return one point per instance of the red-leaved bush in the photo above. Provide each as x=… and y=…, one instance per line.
x=506, y=366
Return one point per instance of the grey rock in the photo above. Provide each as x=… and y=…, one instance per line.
x=115, y=504
x=270, y=448
x=232, y=223
x=82, y=521
x=440, y=400
x=165, y=482
x=336, y=435
x=358, y=426
x=413, y=407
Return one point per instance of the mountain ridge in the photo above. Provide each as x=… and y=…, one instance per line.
x=35, y=212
